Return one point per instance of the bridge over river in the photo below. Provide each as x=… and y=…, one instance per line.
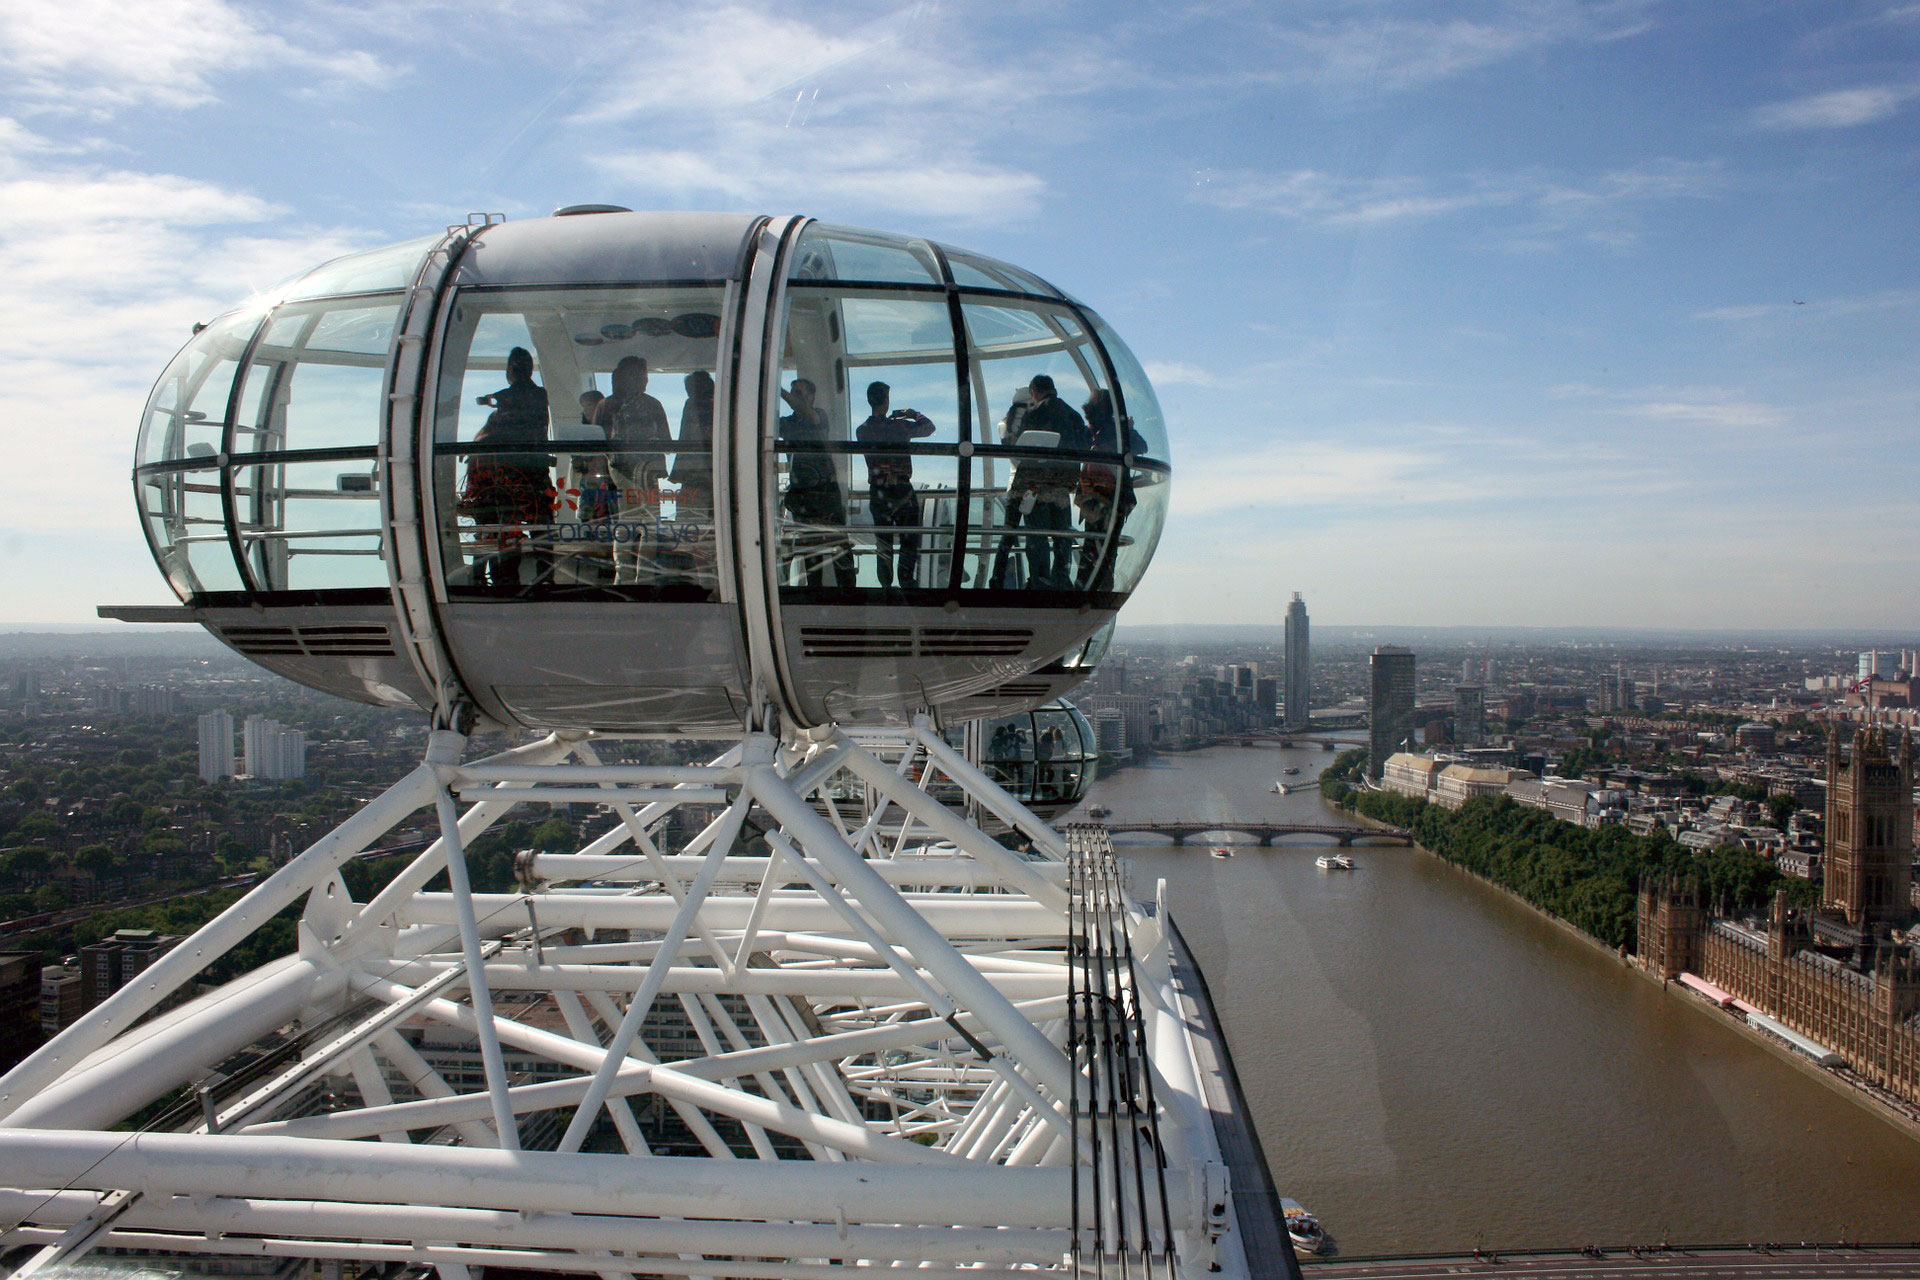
x=1268, y=832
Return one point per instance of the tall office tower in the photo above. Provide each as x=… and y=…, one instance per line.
x=1390, y=706
x=1266, y=696
x=1493, y=672
x=1469, y=713
x=1299, y=673
x=216, y=746
x=1466, y=671
x=1869, y=864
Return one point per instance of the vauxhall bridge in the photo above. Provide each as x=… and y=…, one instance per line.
x=1268, y=832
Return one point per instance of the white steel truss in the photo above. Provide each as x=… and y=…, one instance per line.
x=785, y=1014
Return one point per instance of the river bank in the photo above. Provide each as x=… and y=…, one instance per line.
x=1901, y=1115
x=1435, y=1067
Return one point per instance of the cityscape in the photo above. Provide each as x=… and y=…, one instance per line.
x=767, y=642
x=129, y=808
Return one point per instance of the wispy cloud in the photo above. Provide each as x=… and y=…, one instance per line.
x=1325, y=199
x=1536, y=206
x=1720, y=413
x=1375, y=49
x=1822, y=308
x=1838, y=108
x=96, y=57
x=906, y=115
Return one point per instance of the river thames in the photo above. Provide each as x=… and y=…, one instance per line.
x=1432, y=1066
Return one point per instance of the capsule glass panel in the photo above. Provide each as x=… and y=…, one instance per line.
x=866, y=472
x=375, y=271
x=187, y=412
x=310, y=525
x=187, y=521
x=826, y=252
x=176, y=476
x=1044, y=537
x=574, y=443
x=1140, y=520
x=302, y=447
x=975, y=271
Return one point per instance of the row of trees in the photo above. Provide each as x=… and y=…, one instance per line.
x=1586, y=877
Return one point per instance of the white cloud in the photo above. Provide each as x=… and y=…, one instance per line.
x=107, y=272
x=1315, y=475
x=99, y=56
x=1838, y=109
x=905, y=116
x=724, y=58
x=754, y=168
x=1173, y=373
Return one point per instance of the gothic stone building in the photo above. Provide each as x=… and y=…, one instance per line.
x=1839, y=975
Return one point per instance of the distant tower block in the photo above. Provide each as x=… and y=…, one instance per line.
x=216, y=746
x=1869, y=864
x=1390, y=705
x=1469, y=713
x=1299, y=674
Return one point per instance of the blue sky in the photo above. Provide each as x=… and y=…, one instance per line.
x=1525, y=313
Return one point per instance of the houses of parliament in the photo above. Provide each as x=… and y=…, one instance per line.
x=1846, y=975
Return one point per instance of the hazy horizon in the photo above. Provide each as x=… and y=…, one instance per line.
x=1323, y=633
x=1538, y=312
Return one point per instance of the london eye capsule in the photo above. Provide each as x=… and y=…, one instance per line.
x=658, y=472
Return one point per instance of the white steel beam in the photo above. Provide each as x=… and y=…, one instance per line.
x=950, y=871
x=443, y=752
x=947, y=915
x=952, y=1192
x=320, y=1220
x=183, y=1046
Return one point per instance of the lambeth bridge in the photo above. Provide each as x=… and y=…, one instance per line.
x=1268, y=832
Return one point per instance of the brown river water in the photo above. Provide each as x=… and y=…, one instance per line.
x=1432, y=1066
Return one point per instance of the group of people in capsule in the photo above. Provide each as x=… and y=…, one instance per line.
x=611, y=498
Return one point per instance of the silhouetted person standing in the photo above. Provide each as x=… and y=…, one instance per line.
x=634, y=420
x=892, y=499
x=813, y=494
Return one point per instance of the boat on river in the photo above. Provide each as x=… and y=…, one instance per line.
x=1302, y=1227
x=1281, y=788
x=1291, y=770
x=1334, y=862
x=1221, y=851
